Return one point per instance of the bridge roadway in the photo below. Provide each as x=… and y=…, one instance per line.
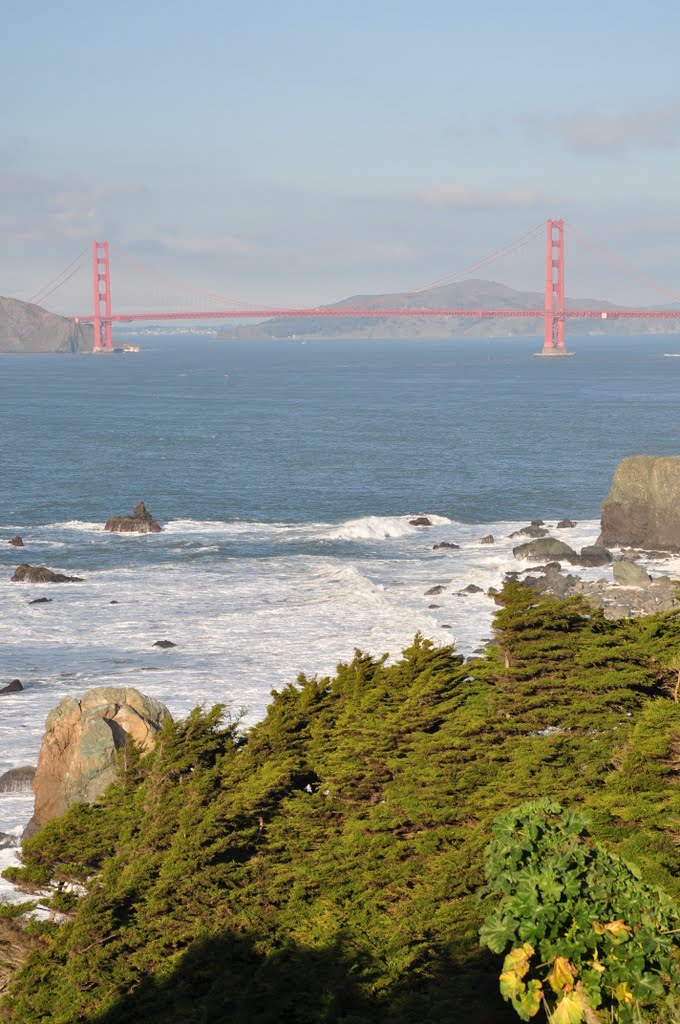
x=335, y=312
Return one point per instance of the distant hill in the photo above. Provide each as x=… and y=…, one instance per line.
x=462, y=295
x=25, y=327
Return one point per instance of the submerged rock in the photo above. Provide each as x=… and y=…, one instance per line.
x=565, y=524
x=447, y=545
x=14, y=687
x=439, y=589
x=26, y=573
x=420, y=521
x=165, y=644
x=16, y=542
x=17, y=780
x=530, y=531
x=489, y=539
x=141, y=521
x=77, y=758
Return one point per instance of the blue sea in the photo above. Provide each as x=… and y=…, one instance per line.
x=285, y=475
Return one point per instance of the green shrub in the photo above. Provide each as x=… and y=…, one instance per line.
x=586, y=933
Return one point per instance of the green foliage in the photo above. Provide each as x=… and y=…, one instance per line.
x=9, y=911
x=579, y=920
x=329, y=865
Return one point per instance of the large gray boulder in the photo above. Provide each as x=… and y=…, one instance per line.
x=642, y=508
x=77, y=759
x=546, y=547
x=629, y=574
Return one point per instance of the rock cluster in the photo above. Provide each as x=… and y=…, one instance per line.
x=77, y=758
x=141, y=521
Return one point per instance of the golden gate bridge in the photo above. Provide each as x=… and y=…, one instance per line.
x=554, y=313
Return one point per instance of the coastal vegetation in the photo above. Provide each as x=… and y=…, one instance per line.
x=337, y=861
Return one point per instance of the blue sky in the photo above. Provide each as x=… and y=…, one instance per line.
x=302, y=150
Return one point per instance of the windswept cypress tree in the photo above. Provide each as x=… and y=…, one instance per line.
x=328, y=864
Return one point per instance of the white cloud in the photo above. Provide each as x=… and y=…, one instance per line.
x=469, y=197
x=38, y=208
x=617, y=133
x=226, y=245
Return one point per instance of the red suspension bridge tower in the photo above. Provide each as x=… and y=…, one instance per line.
x=102, y=298
x=553, y=340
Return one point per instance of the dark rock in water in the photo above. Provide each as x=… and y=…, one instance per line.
x=41, y=574
x=489, y=539
x=420, y=521
x=16, y=542
x=546, y=547
x=17, y=780
x=13, y=687
x=471, y=588
x=642, y=508
x=537, y=522
x=165, y=644
x=7, y=842
x=434, y=606
x=447, y=545
x=435, y=590
x=565, y=524
x=628, y=574
x=141, y=521
x=41, y=600
x=530, y=531
x=113, y=602
x=595, y=554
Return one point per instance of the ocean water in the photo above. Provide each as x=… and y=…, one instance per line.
x=285, y=475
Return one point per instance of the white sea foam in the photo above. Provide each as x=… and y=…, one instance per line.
x=76, y=525
x=378, y=528
x=242, y=625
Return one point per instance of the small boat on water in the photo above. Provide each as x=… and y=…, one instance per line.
x=671, y=355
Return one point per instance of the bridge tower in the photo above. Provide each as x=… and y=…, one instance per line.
x=553, y=339
x=102, y=298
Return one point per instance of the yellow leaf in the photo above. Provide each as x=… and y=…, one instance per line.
x=511, y=984
x=562, y=975
x=517, y=960
x=598, y=928
x=617, y=928
x=623, y=993
x=569, y=1010
x=531, y=1000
